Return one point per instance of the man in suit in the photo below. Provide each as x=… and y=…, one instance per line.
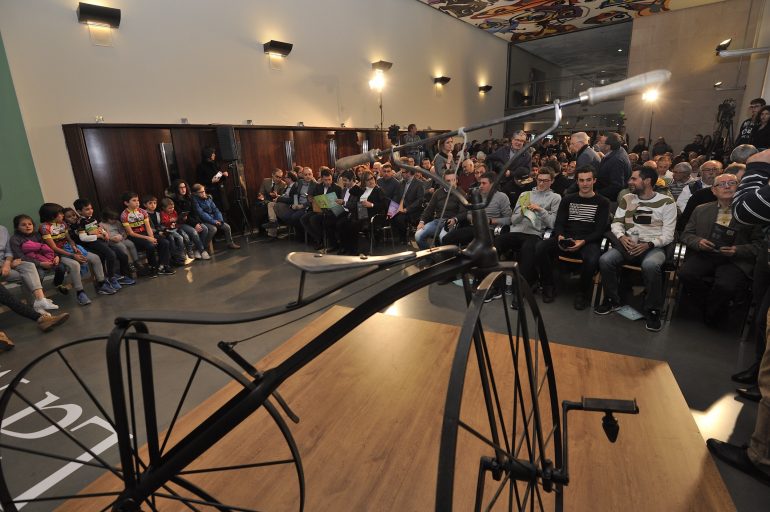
x=584, y=153
x=614, y=170
x=269, y=191
x=729, y=266
x=409, y=207
x=497, y=160
x=314, y=222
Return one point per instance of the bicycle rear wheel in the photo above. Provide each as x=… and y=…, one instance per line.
x=501, y=436
x=60, y=448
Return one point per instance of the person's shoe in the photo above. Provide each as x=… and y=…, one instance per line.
x=606, y=307
x=188, y=260
x=233, y=246
x=43, y=304
x=115, y=283
x=205, y=255
x=126, y=281
x=549, y=293
x=580, y=302
x=63, y=289
x=48, y=322
x=5, y=342
x=83, y=299
x=653, y=322
x=747, y=376
x=514, y=300
x=736, y=457
x=191, y=254
x=750, y=393
x=105, y=289
x=197, y=255
x=152, y=273
x=165, y=270
x=496, y=295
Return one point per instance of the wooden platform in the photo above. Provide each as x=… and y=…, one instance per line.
x=371, y=410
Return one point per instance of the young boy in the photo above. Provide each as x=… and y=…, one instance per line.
x=180, y=242
x=118, y=238
x=96, y=240
x=137, y=224
x=150, y=204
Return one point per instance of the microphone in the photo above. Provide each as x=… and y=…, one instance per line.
x=348, y=162
x=625, y=87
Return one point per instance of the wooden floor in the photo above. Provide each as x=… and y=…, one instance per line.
x=371, y=410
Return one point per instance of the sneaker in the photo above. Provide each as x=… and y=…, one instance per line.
x=496, y=295
x=105, y=289
x=44, y=304
x=653, y=321
x=83, y=299
x=165, y=270
x=46, y=323
x=126, y=281
x=188, y=260
x=115, y=283
x=197, y=255
x=152, y=273
x=63, y=289
x=549, y=293
x=580, y=302
x=205, y=255
x=5, y=342
x=606, y=307
x=132, y=268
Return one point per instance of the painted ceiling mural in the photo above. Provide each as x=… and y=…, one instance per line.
x=524, y=20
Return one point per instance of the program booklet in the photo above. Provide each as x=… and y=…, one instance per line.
x=722, y=236
x=328, y=202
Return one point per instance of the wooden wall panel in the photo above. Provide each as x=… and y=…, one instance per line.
x=311, y=148
x=348, y=143
x=188, y=143
x=81, y=166
x=262, y=151
x=125, y=159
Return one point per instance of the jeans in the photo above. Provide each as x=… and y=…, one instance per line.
x=224, y=227
x=26, y=272
x=7, y=299
x=424, y=236
x=652, y=274
x=525, y=244
x=195, y=237
x=547, y=251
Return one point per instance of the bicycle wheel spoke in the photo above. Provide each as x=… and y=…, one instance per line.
x=52, y=456
x=180, y=404
x=132, y=408
x=207, y=503
x=241, y=466
x=64, y=431
x=487, y=362
x=87, y=390
x=498, y=492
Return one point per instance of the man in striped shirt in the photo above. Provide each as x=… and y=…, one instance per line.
x=751, y=205
x=644, y=225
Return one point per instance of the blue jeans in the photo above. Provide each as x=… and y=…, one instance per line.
x=652, y=274
x=195, y=238
x=424, y=236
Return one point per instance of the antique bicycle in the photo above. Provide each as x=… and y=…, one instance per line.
x=514, y=422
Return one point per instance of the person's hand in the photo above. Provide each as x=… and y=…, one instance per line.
x=339, y=201
x=225, y=174
x=367, y=204
x=46, y=264
x=727, y=250
x=261, y=196
x=575, y=248
x=627, y=243
x=6, y=268
x=639, y=249
x=431, y=190
x=273, y=194
x=152, y=240
x=198, y=228
x=402, y=210
x=706, y=245
x=16, y=262
x=534, y=207
x=218, y=223
x=79, y=257
x=450, y=222
x=420, y=225
x=56, y=260
x=117, y=238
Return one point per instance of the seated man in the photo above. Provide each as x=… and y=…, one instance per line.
x=409, y=206
x=269, y=191
x=498, y=213
x=728, y=261
x=534, y=213
x=314, y=222
x=281, y=207
x=442, y=210
x=580, y=224
x=298, y=202
x=644, y=225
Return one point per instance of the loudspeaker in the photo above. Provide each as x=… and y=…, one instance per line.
x=228, y=146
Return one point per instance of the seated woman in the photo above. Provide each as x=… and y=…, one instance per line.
x=365, y=201
x=188, y=220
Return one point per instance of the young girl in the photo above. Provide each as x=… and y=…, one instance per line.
x=28, y=245
x=55, y=233
x=180, y=242
x=118, y=237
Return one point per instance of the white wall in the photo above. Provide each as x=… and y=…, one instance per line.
x=202, y=59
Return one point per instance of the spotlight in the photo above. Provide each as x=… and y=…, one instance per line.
x=717, y=84
x=441, y=80
x=724, y=45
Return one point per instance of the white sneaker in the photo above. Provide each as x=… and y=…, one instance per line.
x=43, y=304
x=205, y=255
x=51, y=304
x=188, y=260
x=197, y=255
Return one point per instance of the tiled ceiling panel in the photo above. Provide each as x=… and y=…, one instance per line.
x=525, y=20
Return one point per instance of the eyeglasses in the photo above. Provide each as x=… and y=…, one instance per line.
x=726, y=184
x=544, y=180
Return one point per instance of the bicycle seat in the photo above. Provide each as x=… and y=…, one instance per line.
x=316, y=263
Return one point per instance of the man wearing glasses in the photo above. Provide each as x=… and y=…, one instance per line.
x=698, y=192
x=497, y=160
x=720, y=249
x=744, y=132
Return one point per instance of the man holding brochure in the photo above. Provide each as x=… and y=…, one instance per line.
x=322, y=198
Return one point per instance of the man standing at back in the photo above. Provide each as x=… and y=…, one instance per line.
x=747, y=126
x=584, y=154
x=497, y=160
x=614, y=169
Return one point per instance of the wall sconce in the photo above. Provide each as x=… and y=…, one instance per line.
x=377, y=83
x=441, y=80
x=98, y=15
x=382, y=65
x=722, y=50
x=277, y=48
x=483, y=89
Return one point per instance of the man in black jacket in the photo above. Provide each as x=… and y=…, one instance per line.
x=409, y=206
x=314, y=222
x=614, y=169
x=497, y=160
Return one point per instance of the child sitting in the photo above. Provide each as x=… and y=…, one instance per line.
x=150, y=204
x=55, y=235
x=137, y=224
x=118, y=238
x=179, y=239
x=211, y=216
x=94, y=239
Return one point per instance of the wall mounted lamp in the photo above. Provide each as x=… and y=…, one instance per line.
x=483, y=89
x=382, y=65
x=441, y=80
x=277, y=48
x=722, y=50
x=98, y=15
